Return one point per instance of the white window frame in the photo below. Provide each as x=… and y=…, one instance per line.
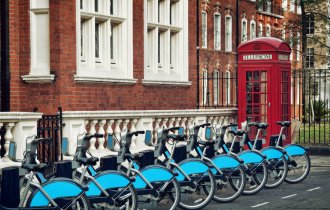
x=39, y=43
x=298, y=91
x=204, y=29
x=204, y=86
x=170, y=20
x=283, y=34
x=253, y=30
x=117, y=26
x=292, y=5
x=268, y=30
x=216, y=80
x=298, y=54
x=268, y=6
x=228, y=33
x=310, y=24
x=228, y=92
x=285, y=5
x=260, y=30
x=217, y=31
x=298, y=7
x=291, y=44
x=309, y=57
x=244, y=37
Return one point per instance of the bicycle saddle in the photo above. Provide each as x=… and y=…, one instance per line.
x=237, y=132
x=180, y=137
x=206, y=143
x=87, y=161
x=135, y=156
x=284, y=123
x=261, y=125
x=34, y=167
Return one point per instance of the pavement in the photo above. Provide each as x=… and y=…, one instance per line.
x=312, y=193
x=320, y=161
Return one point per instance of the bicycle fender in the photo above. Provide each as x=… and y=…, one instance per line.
x=225, y=161
x=251, y=156
x=55, y=188
x=152, y=173
x=295, y=149
x=191, y=166
x=272, y=152
x=107, y=179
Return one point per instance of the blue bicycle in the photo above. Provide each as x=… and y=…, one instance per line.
x=228, y=170
x=297, y=157
x=156, y=185
x=277, y=165
x=59, y=193
x=193, y=174
x=255, y=164
x=106, y=189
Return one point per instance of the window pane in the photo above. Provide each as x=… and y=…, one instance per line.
x=256, y=76
x=248, y=76
x=256, y=98
x=97, y=39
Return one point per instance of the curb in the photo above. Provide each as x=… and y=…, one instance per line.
x=319, y=150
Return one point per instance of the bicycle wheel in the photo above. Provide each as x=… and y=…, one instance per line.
x=169, y=195
x=199, y=196
x=256, y=178
x=298, y=168
x=125, y=199
x=277, y=171
x=229, y=185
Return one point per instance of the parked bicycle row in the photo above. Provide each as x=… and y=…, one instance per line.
x=210, y=170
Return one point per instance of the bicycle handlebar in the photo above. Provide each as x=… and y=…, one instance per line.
x=89, y=137
x=167, y=130
x=136, y=133
x=229, y=125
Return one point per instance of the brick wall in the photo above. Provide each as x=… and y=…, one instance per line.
x=72, y=96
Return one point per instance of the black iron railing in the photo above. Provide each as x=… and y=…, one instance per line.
x=50, y=126
x=310, y=104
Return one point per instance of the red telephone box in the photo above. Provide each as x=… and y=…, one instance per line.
x=264, y=72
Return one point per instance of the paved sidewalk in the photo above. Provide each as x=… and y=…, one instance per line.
x=320, y=161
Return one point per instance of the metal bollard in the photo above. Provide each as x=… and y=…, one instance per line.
x=10, y=195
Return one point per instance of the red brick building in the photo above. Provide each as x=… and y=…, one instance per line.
x=99, y=55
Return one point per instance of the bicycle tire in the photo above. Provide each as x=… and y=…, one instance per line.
x=132, y=203
x=277, y=171
x=234, y=185
x=198, y=202
x=257, y=179
x=171, y=193
x=292, y=167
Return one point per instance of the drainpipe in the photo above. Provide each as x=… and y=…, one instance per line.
x=237, y=40
x=5, y=73
x=197, y=48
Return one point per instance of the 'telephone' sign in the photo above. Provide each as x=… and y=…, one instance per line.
x=257, y=57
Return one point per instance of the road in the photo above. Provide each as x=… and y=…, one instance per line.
x=312, y=193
